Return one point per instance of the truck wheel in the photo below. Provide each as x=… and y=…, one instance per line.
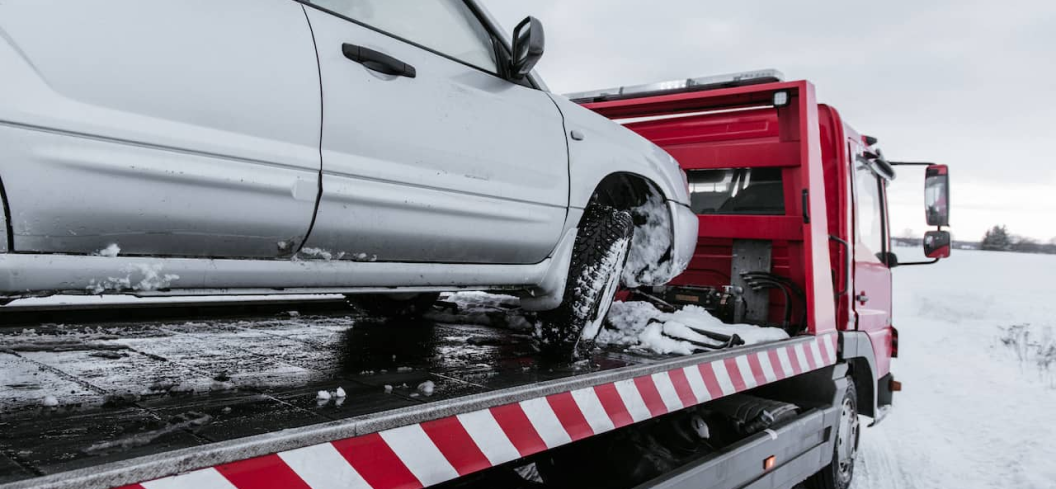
x=839, y=473
x=598, y=258
x=390, y=306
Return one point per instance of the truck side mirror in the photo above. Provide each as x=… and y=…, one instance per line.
x=937, y=195
x=937, y=244
x=528, y=46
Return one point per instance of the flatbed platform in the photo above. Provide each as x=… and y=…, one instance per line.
x=103, y=405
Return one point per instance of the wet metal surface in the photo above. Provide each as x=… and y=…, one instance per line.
x=124, y=390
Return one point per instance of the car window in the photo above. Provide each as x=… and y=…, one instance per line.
x=448, y=27
x=870, y=220
x=754, y=191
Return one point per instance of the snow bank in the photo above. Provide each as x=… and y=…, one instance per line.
x=975, y=412
x=628, y=325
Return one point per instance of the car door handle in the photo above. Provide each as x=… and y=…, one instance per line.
x=376, y=61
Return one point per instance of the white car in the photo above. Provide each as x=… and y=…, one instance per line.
x=394, y=148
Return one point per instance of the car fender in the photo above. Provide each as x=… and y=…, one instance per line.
x=551, y=289
x=598, y=147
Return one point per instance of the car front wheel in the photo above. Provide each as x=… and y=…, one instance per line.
x=598, y=257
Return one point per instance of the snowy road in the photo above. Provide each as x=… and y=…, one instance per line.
x=972, y=415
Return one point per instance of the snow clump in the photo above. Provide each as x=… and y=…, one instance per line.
x=110, y=251
x=319, y=254
x=651, y=242
x=152, y=279
x=630, y=326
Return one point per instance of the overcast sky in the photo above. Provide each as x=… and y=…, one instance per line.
x=969, y=84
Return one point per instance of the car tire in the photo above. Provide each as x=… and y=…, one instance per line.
x=840, y=472
x=394, y=306
x=598, y=257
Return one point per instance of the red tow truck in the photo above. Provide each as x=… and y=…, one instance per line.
x=794, y=234
x=793, y=209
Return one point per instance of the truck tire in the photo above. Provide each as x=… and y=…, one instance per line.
x=394, y=306
x=840, y=472
x=598, y=257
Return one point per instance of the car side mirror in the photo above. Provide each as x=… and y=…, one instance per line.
x=937, y=244
x=529, y=43
x=937, y=195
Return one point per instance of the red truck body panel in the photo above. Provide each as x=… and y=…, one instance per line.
x=816, y=152
x=840, y=145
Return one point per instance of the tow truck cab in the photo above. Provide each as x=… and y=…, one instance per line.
x=792, y=202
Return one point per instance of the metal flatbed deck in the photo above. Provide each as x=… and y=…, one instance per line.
x=189, y=383
x=143, y=400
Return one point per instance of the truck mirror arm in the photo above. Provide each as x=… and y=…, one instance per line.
x=911, y=263
x=909, y=163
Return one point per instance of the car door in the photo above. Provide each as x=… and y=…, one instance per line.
x=186, y=128
x=454, y=164
x=872, y=277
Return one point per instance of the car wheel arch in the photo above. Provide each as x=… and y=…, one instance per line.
x=620, y=190
x=625, y=190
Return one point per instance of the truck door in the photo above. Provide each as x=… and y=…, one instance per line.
x=872, y=277
x=167, y=128
x=429, y=154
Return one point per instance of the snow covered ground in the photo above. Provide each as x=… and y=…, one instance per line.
x=972, y=414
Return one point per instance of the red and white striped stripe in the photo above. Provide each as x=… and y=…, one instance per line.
x=425, y=454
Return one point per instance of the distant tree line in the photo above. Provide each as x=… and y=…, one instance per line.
x=998, y=238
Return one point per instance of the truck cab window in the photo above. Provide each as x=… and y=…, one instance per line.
x=448, y=27
x=869, y=230
x=754, y=191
